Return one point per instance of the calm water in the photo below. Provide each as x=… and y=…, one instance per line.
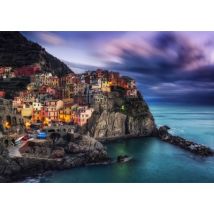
x=154, y=161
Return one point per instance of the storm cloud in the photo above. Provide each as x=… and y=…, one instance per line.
x=173, y=69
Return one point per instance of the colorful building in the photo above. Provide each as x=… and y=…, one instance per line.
x=2, y=94
x=27, y=111
x=18, y=103
x=65, y=113
x=127, y=82
x=84, y=116
x=27, y=70
x=69, y=98
x=38, y=115
x=52, y=108
x=37, y=106
x=97, y=85
x=106, y=86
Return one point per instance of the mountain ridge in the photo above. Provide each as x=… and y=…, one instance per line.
x=17, y=51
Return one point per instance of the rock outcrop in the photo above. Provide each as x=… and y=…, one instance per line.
x=120, y=116
x=192, y=147
x=39, y=158
x=17, y=51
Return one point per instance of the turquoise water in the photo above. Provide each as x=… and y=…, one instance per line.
x=194, y=123
x=155, y=161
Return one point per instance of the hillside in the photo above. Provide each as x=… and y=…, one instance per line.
x=16, y=51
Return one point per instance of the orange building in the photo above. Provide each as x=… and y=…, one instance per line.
x=113, y=78
x=38, y=115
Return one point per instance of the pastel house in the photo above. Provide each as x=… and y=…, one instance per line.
x=85, y=115
x=52, y=108
x=37, y=106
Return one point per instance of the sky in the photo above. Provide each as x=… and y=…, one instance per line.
x=169, y=67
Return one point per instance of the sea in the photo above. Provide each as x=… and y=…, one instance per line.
x=153, y=161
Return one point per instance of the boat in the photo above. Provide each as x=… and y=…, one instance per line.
x=123, y=158
x=42, y=135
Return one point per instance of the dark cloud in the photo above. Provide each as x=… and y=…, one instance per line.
x=185, y=53
x=169, y=52
x=174, y=69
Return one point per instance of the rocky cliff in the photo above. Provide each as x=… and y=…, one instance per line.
x=39, y=158
x=120, y=116
x=17, y=51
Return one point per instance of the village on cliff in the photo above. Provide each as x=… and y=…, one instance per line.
x=62, y=100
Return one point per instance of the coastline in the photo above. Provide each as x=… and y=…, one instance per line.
x=39, y=158
x=24, y=167
x=47, y=165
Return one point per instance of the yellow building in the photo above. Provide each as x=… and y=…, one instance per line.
x=106, y=86
x=27, y=111
x=65, y=115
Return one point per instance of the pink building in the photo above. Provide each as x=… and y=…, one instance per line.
x=51, y=91
x=84, y=116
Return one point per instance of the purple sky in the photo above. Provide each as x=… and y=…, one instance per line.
x=169, y=67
